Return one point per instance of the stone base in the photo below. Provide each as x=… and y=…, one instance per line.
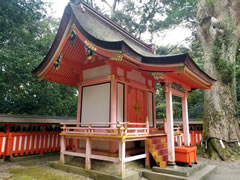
x=97, y=175
x=171, y=163
x=198, y=172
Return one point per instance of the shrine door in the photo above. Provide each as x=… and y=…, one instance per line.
x=136, y=106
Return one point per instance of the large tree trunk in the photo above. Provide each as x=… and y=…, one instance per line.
x=219, y=34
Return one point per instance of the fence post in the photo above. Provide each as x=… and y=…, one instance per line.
x=42, y=139
x=8, y=145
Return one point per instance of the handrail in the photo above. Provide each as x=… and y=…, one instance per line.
x=120, y=128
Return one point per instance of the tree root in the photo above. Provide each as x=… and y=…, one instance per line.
x=215, y=150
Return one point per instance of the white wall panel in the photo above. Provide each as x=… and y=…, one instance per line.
x=96, y=72
x=96, y=103
x=135, y=76
x=120, y=106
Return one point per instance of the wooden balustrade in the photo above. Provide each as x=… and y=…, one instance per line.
x=195, y=138
x=113, y=129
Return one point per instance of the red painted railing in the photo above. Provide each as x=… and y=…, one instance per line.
x=195, y=138
x=25, y=143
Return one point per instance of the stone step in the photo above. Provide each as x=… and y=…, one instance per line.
x=203, y=173
x=199, y=173
x=179, y=170
x=157, y=176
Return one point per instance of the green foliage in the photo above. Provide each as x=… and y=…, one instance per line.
x=26, y=35
x=160, y=102
x=176, y=12
x=195, y=104
x=223, y=65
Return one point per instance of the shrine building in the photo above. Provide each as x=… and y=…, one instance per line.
x=116, y=74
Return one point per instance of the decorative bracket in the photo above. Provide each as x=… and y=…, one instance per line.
x=72, y=38
x=57, y=63
x=157, y=75
x=117, y=57
x=178, y=87
x=111, y=77
x=90, y=49
x=180, y=69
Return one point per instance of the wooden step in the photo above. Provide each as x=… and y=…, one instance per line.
x=159, y=141
x=158, y=150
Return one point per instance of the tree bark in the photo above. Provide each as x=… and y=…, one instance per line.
x=218, y=29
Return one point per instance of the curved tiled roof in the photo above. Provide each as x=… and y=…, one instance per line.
x=106, y=34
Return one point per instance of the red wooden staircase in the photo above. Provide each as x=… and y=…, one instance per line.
x=158, y=150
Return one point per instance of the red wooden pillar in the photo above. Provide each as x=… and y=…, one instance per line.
x=8, y=143
x=88, y=154
x=113, y=111
x=121, y=156
x=185, y=120
x=170, y=132
x=63, y=149
x=147, y=159
x=79, y=103
x=42, y=139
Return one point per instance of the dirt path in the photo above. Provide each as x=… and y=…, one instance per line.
x=224, y=171
x=37, y=169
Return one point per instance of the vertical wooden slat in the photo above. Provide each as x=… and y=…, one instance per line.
x=63, y=149
x=50, y=142
x=37, y=145
x=32, y=143
x=147, y=159
x=88, y=154
x=122, y=155
x=22, y=145
x=16, y=144
x=1, y=144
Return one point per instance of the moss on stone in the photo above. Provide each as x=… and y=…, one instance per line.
x=40, y=173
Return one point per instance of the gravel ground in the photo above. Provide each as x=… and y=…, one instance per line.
x=35, y=169
x=224, y=171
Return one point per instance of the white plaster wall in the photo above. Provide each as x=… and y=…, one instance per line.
x=97, y=72
x=120, y=96
x=96, y=103
x=136, y=76
x=150, y=109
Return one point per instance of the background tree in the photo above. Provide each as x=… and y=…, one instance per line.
x=217, y=24
x=26, y=34
x=218, y=29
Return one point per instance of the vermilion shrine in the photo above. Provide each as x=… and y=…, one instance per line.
x=115, y=74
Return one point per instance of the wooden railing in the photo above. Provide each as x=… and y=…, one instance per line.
x=113, y=129
x=24, y=143
x=17, y=139
x=195, y=138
